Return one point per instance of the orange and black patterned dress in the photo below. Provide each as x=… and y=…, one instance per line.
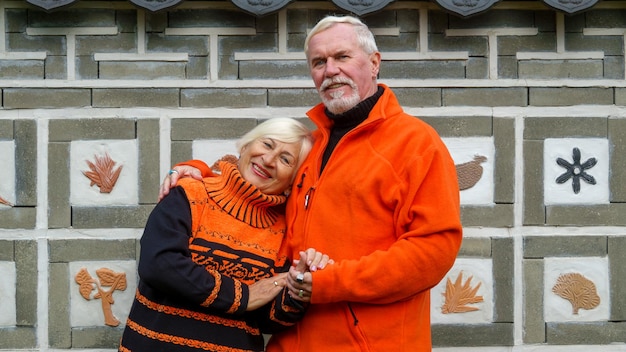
x=202, y=246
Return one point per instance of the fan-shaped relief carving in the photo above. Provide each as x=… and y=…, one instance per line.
x=103, y=173
x=459, y=294
x=469, y=173
x=576, y=170
x=156, y=5
x=578, y=290
x=466, y=7
x=571, y=6
x=5, y=202
x=106, y=278
x=362, y=7
x=51, y=4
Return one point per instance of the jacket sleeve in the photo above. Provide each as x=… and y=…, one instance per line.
x=428, y=235
x=198, y=164
x=166, y=264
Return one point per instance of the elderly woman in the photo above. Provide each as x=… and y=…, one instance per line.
x=211, y=251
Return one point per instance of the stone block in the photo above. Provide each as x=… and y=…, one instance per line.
x=148, y=138
x=498, y=334
x=475, y=247
x=451, y=69
x=539, y=128
x=184, y=129
x=137, y=97
x=485, y=96
x=403, y=42
x=461, y=126
x=33, y=98
x=565, y=246
x=504, y=177
x=56, y=66
x=26, y=284
x=59, y=333
x=418, y=97
x=59, y=212
x=610, y=45
x=492, y=216
x=534, y=325
x=81, y=129
x=65, y=251
x=503, y=274
x=477, y=47
x=51, y=45
x=617, y=274
x=273, y=70
x=85, y=17
x=617, y=147
x=101, y=337
x=564, y=96
x=510, y=45
x=223, y=97
x=84, y=217
x=534, y=211
x=25, y=165
x=123, y=42
x=587, y=215
x=21, y=69
x=559, y=69
x=142, y=70
x=293, y=97
x=192, y=45
x=590, y=333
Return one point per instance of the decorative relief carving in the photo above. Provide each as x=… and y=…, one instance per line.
x=571, y=6
x=576, y=170
x=578, y=290
x=5, y=202
x=102, y=173
x=50, y=4
x=362, y=7
x=459, y=295
x=466, y=7
x=108, y=278
x=260, y=7
x=156, y=5
x=470, y=172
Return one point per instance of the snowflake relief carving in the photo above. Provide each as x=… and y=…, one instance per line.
x=578, y=290
x=469, y=173
x=103, y=173
x=576, y=170
x=459, y=295
x=107, y=278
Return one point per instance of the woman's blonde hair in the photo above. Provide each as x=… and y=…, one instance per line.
x=282, y=129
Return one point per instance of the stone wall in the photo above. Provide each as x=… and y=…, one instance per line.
x=522, y=94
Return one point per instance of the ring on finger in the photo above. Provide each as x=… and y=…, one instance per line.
x=301, y=293
x=300, y=278
x=172, y=171
x=275, y=283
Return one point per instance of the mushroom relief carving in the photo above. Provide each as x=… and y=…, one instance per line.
x=578, y=290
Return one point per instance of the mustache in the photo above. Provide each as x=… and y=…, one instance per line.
x=341, y=80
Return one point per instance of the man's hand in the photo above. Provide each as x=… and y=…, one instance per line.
x=171, y=179
x=300, y=280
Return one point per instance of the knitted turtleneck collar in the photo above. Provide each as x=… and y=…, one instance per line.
x=358, y=113
x=241, y=199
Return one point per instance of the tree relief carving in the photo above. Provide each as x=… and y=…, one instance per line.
x=103, y=173
x=459, y=295
x=578, y=290
x=106, y=278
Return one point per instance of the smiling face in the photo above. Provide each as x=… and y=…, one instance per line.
x=269, y=164
x=343, y=73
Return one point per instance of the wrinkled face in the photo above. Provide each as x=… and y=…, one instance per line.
x=269, y=164
x=343, y=73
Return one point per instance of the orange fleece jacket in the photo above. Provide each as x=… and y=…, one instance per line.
x=387, y=210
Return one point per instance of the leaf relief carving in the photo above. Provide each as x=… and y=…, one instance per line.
x=102, y=173
x=459, y=295
x=5, y=202
x=578, y=290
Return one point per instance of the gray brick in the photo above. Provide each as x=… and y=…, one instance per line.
x=197, y=67
x=511, y=45
x=495, y=18
x=565, y=69
x=56, y=67
x=477, y=68
x=222, y=97
x=420, y=97
x=73, y=17
x=7, y=250
x=191, y=129
x=617, y=143
x=18, y=217
x=617, y=275
x=587, y=215
x=565, y=246
x=26, y=285
x=475, y=247
x=181, y=151
x=534, y=325
x=16, y=20
x=566, y=126
x=504, y=177
x=21, y=69
x=52, y=45
x=475, y=46
x=138, y=97
x=497, y=334
x=149, y=158
x=111, y=216
x=65, y=251
x=620, y=96
x=273, y=70
x=614, y=67
x=193, y=45
x=422, y=69
x=210, y=17
x=25, y=154
x=590, y=333
x=267, y=42
x=570, y=96
x=59, y=329
x=31, y=98
x=6, y=129
x=18, y=338
x=503, y=275
x=293, y=97
x=507, y=67
x=120, y=43
x=606, y=18
x=462, y=126
x=402, y=42
x=141, y=70
x=86, y=67
x=69, y=130
x=491, y=216
x=609, y=45
x=96, y=337
x=59, y=214
x=485, y=96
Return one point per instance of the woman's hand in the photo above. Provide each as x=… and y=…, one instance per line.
x=300, y=280
x=264, y=291
x=171, y=179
